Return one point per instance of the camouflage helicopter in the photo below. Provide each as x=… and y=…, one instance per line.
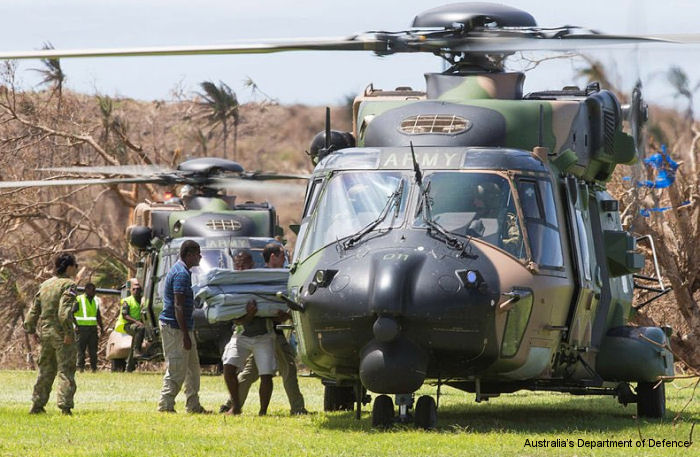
x=203, y=213
x=464, y=233
x=468, y=236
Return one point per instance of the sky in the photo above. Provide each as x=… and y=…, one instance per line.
x=314, y=78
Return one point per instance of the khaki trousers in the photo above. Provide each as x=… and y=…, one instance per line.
x=181, y=367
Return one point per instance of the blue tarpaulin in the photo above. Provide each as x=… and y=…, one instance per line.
x=647, y=212
x=665, y=168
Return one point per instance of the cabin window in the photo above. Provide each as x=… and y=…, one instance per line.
x=539, y=209
x=349, y=202
x=477, y=205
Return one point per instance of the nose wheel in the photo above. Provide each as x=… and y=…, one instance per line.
x=425, y=415
x=382, y=412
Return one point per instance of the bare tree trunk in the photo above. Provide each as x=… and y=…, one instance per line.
x=235, y=140
x=671, y=249
x=225, y=126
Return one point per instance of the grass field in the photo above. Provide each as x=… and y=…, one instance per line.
x=115, y=415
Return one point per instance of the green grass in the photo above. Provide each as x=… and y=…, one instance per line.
x=115, y=415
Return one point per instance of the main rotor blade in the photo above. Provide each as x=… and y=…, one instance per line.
x=416, y=40
x=368, y=42
x=496, y=44
x=131, y=170
x=79, y=182
x=270, y=176
x=270, y=188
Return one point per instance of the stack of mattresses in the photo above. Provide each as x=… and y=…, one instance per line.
x=225, y=293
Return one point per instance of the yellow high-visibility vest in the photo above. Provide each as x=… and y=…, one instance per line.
x=134, y=311
x=87, y=310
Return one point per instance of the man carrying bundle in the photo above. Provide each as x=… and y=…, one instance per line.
x=273, y=254
x=257, y=337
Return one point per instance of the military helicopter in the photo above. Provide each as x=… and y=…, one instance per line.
x=464, y=234
x=203, y=213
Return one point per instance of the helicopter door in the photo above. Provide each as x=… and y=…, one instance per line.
x=587, y=292
x=602, y=275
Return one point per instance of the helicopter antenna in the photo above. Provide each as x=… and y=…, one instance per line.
x=328, y=128
x=540, y=134
x=416, y=168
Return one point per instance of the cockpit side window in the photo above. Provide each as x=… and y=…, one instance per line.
x=550, y=209
x=539, y=209
x=314, y=191
x=530, y=200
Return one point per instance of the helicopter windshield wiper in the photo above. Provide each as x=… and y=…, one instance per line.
x=394, y=200
x=450, y=238
x=424, y=209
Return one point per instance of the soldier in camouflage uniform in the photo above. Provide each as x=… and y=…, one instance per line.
x=512, y=238
x=54, y=305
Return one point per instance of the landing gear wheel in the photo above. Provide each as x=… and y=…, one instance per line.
x=651, y=402
x=118, y=365
x=425, y=415
x=338, y=398
x=382, y=412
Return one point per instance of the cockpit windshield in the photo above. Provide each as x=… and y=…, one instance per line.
x=479, y=205
x=214, y=258
x=351, y=201
x=221, y=258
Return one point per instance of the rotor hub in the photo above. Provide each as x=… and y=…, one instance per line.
x=474, y=14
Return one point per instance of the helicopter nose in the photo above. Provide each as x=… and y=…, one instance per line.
x=393, y=275
x=386, y=329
